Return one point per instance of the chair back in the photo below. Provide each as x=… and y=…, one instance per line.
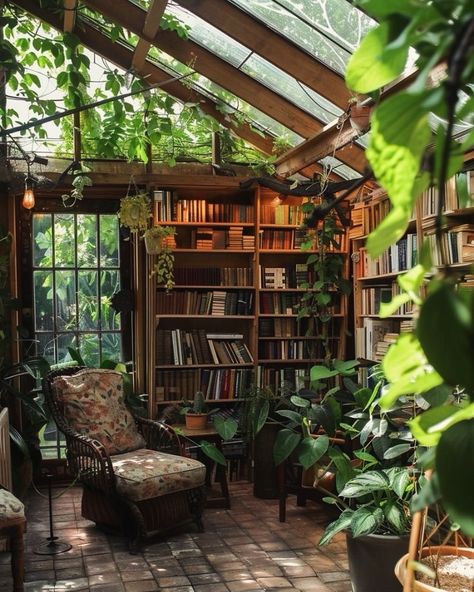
x=90, y=401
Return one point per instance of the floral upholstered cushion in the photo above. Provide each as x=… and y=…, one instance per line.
x=10, y=506
x=145, y=474
x=93, y=404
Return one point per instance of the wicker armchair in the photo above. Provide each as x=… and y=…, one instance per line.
x=132, y=469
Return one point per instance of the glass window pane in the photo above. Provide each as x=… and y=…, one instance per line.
x=109, y=284
x=43, y=240
x=46, y=346
x=109, y=241
x=111, y=346
x=64, y=240
x=86, y=240
x=88, y=300
x=89, y=348
x=65, y=292
x=43, y=300
x=65, y=341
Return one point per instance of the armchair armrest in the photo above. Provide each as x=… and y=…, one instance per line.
x=159, y=436
x=89, y=459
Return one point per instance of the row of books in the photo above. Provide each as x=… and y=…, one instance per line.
x=292, y=327
x=291, y=276
x=398, y=257
x=216, y=384
x=373, y=339
x=294, y=349
x=215, y=302
x=282, y=380
x=196, y=347
x=233, y=238
x=457, y=243
x=460, y=184
x=213, y=276
x=279, y=303
x=373, y=297
x=200, y=210
x=282, y=239
x=281, y=214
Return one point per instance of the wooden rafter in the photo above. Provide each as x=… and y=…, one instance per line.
x=331, y=140
x=273, y=47
x=69, y=15
x=122, y=57
x=150, y=29
x=130, y=16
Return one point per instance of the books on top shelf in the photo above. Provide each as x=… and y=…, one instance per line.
x=215, y=303
x=168, y=207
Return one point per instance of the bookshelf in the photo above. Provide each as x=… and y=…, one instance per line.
x=232, y=319
x=375, y=280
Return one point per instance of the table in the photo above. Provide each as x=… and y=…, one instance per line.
x=210, y=434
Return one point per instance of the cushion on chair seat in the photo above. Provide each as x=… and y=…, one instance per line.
x=145, y=474
x=10, y=506
x=92, y=402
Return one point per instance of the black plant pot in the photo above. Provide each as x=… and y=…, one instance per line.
x=372, y=560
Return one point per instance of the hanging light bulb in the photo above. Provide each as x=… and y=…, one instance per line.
x=28, y=201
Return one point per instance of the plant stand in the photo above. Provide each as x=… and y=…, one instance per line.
x=51, y=546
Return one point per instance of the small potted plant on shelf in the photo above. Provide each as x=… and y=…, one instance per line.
x=196, y=416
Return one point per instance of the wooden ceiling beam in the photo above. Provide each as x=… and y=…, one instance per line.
x=150, y=29
x=130, y=16
x=122, y=57
x=330, y=140
x=70, y=7
x=275, y=48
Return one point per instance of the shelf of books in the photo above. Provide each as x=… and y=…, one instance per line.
x=232, y=320
x=375, y=280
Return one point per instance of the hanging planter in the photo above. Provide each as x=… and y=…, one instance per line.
x=135, y=212
x=359, y=116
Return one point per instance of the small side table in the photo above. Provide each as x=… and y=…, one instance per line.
x=210, y=434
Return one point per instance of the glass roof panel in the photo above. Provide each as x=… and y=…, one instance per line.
x=329, y=30
x=255, y=66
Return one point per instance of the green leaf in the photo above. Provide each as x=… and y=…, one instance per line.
x=362, y=397
x=429, y=425
x=345, y=471
x=342, y=523
x=366, y=457
x=455, y=469
x=293, y=415
x=211, y=451
x=396, y=451
x=321, y=372
x=399, y=479
x=226, y=428
x=395, y=516
x=347, y=367
x=76, y=356
x=462, y=190
x=366, y=521
x=392, y=228
x=428, y=494
x=262, y=416
x=285, y=443
x=387, y=309
x=372, y=65
x=365, y=483
x=299, y=401
x=310, y=450
x=445, y=330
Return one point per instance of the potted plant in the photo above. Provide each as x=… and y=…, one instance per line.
x=159, y=241
x=135, y=212
x=196, y=416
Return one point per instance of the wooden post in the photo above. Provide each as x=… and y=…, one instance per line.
x=216, y=148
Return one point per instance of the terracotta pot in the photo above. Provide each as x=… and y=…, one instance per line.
x=401, y=567
x=196, y=421
x=360, y=117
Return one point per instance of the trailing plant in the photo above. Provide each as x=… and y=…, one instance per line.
x=162, y=239
x=326, y=271
x=413, y=145
x=135, y=212
x=79, y=183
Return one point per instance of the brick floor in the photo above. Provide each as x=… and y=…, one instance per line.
x=245, y=549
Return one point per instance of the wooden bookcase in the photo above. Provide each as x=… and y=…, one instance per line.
x=238, y=272
x=375, y=281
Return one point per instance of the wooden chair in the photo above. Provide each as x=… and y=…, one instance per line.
x=132, y=469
